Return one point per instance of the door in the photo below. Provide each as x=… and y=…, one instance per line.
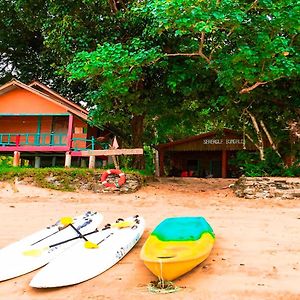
x=216, y=168
x=59, y=130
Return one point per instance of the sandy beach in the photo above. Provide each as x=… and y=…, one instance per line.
x=256, y=254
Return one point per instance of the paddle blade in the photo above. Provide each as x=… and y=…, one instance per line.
x=123, y=224
x=66, y=221
x=35, y=252
x=90, y=245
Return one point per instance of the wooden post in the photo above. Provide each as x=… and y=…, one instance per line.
x=70, y=131
x=157, y=173
x=16, y=161
x=53, y=161
x=115, y=161
x=224, y=164
x=18, y=137
x=82, y=163
x=37, y=162
x=161, y=163
x=68, y=160
x=92, y=161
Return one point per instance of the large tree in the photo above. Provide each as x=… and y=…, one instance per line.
x=150, y=69
x=252, y=47
x=249, y=48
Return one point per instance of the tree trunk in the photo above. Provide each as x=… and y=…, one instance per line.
x=273, y=145
x=294, y=139
x=137, y=129
x=260, y=144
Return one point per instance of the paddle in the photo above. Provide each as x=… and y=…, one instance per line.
x=88, y=244
x=64, y=221
x=123, y=224
x=39, y=251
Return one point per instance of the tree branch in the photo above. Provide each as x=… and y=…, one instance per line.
x=201, y=41
x=211, y=53
x=252, y=87
x=251, y=140
x=274, y=147
x=183, y=54
x=231, y=31
x=252, y=5
x=113, y=6
x=293, y=39
x=201, y=48
x=260, y=144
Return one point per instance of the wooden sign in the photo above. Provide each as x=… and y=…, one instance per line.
x=223, y=141
x=111, y=152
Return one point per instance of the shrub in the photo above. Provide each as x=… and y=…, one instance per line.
x=250, y=164
x=5, y=161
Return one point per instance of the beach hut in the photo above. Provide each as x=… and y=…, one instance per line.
x=203, y=155
x=46, y=129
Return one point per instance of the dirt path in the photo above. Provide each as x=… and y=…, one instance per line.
x=256, y=255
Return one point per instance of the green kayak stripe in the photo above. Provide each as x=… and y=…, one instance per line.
x=182, y=229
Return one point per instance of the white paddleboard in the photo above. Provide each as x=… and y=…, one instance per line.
x=78, y=264
x=33, y=252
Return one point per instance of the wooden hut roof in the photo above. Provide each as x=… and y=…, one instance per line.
x=214, y=140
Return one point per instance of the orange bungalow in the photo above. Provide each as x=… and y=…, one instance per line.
x=43, y=127
x=204, y=155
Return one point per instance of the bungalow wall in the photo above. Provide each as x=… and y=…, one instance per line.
x=32, y=125
x=198, y=163
x=207, y=154
x=79, y=132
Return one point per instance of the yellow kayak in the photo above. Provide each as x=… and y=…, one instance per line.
x=177, y=245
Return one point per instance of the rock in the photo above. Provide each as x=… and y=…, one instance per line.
x=267, y=187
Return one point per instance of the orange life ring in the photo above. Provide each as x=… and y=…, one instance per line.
x=121, y=181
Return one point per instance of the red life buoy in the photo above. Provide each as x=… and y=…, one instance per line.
x=121, y=181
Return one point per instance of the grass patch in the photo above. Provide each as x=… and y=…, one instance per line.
x=62, y=179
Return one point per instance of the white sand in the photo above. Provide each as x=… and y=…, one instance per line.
x=256, y=255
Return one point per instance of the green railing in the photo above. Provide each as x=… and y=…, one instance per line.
x=88, y=144
x=33, y=139
x=49, y=139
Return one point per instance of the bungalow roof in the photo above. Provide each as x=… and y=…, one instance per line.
x=47, y=94
x=194, y=138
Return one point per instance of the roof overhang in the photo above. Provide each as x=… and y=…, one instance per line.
x=226, y=139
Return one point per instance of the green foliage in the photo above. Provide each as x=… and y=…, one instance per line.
x=179, y=67
x=113, y=68
x=149, y=161
x=251, y=165
x=293, y=171
x=5, y=161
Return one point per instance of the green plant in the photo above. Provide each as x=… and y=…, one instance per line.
x=250, y=164
x=5, y=161
x=149, y=161
x=293, y=171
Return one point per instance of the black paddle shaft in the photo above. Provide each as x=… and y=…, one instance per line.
x=74, y=238
x=81, y=226
x=80, y=234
